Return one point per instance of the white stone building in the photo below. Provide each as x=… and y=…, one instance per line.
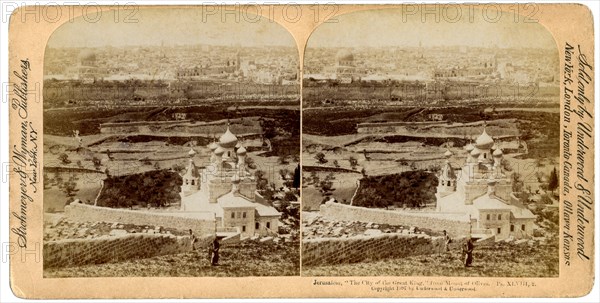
x=483, y=190
x=226, y=188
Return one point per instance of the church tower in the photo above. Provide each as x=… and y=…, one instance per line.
x=191, y=179
x=447, y=177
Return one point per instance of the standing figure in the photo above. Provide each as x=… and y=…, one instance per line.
x=447, y=241
x=213, y=252
x=193, y=240
x=468, y=252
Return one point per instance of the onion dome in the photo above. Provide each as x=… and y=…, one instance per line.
x=495, y=146
x=498, y=153
x=469, y=147
x=241, y=151
x=219, y=151
x=213, y=146
x=475, y=152
x=484, y=141
x=238, y=145
x=235, y=178
x=448, y=154
x=228, y=139
x=192, y=152
x=491, y=181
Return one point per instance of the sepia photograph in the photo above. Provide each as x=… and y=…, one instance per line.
x=281, y=151
x=430, y=148
x=171, y=147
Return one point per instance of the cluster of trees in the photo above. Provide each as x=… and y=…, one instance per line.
x=157, y=188
x=410, y=188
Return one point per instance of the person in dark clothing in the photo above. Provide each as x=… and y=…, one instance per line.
x=447, y=241
x=213, y=252
x=468, y=252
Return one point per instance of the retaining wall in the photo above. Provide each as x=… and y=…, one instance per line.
x=200, y=222
x=454, y=224
x=73, y=252
x=327, y=251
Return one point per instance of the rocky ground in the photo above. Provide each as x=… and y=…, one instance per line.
x=59, y=228
x=314, y=226
x=247, y=258
x=500, y=259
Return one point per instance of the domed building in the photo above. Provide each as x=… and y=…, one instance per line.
x=226, y=188
x=345, y=68
x=87, y=69
x=483, y=190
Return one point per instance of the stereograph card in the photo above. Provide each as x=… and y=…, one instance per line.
x=301, y=151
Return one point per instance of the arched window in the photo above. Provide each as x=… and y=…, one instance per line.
x=187, y=181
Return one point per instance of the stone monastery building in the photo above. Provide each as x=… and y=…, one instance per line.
x=226, y=188
x=483, y=190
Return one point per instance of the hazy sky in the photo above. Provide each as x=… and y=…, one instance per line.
x=389, y=27
x=174, y=26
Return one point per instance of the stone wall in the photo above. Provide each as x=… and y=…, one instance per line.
x=73, y=252
x=455, y=225
x=327, y=251
x=200, y=222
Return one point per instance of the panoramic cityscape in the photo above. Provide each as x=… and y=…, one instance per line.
x=176, y=155
x=172, y=158
x=429, y=157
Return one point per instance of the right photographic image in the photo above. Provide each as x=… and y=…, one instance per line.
x=430, y=146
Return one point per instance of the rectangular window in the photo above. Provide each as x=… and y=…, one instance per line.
x=232, y=215
x=523, y=227
x=512, y=227
x=499, y=230
x=488, y=216
x=499, y=217
x=268, y=224
x=243, y=228
x=256, y=225
x=244, y=215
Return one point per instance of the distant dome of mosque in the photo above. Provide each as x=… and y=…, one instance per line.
x=213, y=146
x=228, y=139
x=192, y=152
x=235, y=178
x=87, y=55
x=219, y=151
x=448, y=154
x=241, y=151
x=484, y=141
x=475, y=152
x=497, y=152
x=344, y=55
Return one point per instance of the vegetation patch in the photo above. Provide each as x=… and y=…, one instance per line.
x=411, y=188
x=155, y=188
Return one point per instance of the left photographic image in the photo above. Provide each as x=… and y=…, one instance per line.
x=171, y=147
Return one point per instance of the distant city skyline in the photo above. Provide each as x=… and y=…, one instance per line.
x=390, y=28
x=176, y=26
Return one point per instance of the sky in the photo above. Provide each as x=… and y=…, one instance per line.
x=392, y=27
x=174, y=26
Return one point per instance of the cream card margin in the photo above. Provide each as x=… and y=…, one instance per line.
x=571, y=23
